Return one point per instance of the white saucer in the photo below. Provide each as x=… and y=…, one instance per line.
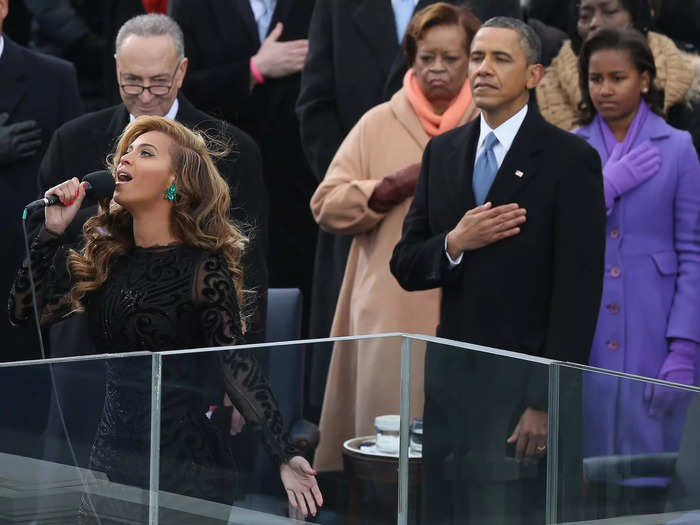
x=367, y=446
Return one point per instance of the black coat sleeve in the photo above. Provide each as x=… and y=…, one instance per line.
x=320, y=125
x=205, y=86
x=579, y=262
x=419, y=261
x=579, y=259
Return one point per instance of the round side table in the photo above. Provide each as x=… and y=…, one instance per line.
x=360, y=467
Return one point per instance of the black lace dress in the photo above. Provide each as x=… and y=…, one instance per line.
x=162, y=298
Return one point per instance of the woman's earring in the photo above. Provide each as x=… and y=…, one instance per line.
x=170, y=193
x=645, y=90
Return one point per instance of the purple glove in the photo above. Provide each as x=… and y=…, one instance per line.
x=625, y=172
x=679, y=367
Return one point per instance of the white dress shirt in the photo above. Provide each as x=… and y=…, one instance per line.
x=505, y=133
x=170, y=115
x=2, y=44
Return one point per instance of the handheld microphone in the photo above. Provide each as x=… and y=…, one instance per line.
x=99, y=184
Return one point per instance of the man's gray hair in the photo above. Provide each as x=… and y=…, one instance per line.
x=152, y=25
x=529, y=41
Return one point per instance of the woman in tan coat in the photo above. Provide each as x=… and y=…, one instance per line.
x=366, y=193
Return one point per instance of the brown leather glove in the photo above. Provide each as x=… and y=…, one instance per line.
x=394, y=189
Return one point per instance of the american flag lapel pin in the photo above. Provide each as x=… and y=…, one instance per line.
x=519, y=174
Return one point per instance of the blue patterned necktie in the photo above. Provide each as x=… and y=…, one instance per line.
x=403, y=11
x=485, y=170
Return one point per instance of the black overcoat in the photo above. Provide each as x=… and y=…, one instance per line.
x=536, y=293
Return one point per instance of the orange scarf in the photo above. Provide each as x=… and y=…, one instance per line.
x=435, y=124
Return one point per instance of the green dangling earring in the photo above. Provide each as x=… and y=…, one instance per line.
x=170, y=193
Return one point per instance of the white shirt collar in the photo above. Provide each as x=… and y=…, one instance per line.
x=170, y=115
x=2, y=44
x=393, y=3
x=505, y=133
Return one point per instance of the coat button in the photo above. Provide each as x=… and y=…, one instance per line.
x=613, y=345
x=615, y=272
x=615, y=233
x=613, y=308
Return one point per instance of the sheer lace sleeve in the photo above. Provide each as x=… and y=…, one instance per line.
x=50, y=278
x=244, y=381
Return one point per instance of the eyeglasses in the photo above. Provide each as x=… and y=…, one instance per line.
x=157, y=90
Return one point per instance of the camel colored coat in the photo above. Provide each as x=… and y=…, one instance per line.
x=364, y=376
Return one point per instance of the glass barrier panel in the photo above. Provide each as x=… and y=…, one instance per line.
x=75, y=439
x=637, y=441
x=477, y=436
x=229, y=415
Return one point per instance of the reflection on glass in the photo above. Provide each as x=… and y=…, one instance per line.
x=638, y=465
x=477, y=465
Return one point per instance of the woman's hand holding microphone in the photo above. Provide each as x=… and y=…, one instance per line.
x=71, y=194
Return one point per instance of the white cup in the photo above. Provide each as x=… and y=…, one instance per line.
x=387, y=428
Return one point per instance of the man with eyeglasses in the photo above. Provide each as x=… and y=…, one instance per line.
x=150, y=68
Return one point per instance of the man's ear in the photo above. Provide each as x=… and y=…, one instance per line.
x=535, y=72
x=182, y=70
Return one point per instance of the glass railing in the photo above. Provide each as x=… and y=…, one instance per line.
x=358, y=482
x=472, y=459
x=414, y=430
x=624, y=449
x=59, y=435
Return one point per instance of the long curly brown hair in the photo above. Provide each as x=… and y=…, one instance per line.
x=200, y=213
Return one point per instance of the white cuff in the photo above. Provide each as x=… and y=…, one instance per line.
x=453, y=262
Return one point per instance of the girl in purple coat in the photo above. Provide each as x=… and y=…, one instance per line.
x=649, y=321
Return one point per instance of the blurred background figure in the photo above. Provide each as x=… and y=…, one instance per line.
x=551, y=12
x=156, y=6
x=38, y=93
x=366, y=193
x=679, y=19
x=648, y=321
x=83, y=32
x=677, y=73
x=245, y=59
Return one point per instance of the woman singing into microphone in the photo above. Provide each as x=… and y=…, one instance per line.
x=160, y=270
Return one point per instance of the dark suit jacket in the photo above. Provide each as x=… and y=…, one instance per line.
x=538, y=292
x=82, y=145
x=220, y=38
x=33, y=86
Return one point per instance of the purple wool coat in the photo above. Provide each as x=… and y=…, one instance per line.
x=651, y=294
